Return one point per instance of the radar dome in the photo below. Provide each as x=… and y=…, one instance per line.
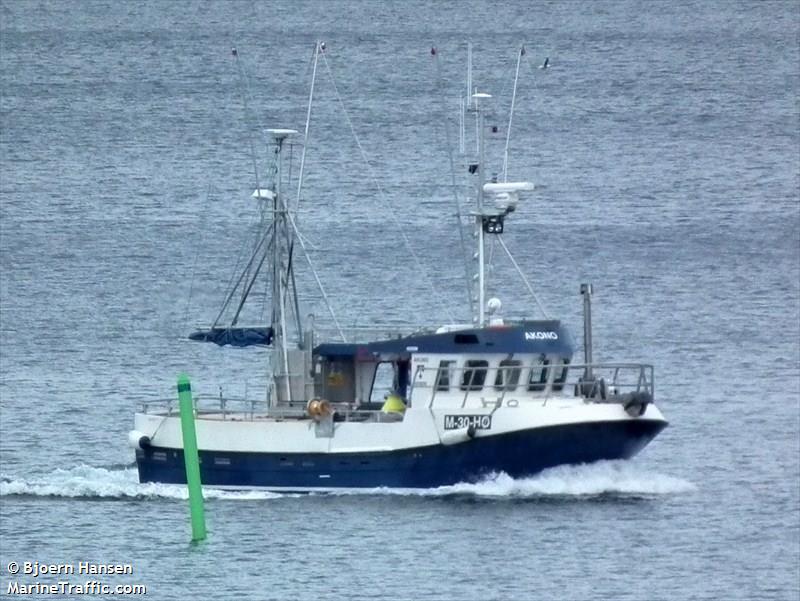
x=494, y=305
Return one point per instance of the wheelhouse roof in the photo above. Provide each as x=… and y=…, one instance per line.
x=527, y=337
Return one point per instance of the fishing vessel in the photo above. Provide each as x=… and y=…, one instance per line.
x=416, y=408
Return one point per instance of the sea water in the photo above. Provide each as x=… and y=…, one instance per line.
x=664, y=141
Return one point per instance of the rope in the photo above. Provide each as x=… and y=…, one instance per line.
x=381, y=194
x=524, y=279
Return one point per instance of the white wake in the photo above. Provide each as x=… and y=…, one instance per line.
x=603, y=478
x=96, y=482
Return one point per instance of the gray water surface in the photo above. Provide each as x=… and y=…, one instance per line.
x=664, y=140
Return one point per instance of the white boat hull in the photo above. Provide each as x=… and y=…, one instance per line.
x=428, y=448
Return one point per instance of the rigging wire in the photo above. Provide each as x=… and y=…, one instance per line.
x=458, y=215
x=231, y=288
x=381, y=194
x=264, y=296
x=196, y=256
x=511, y=113
x=521, y=52
x=243, y=81
x=249, y=286
x=524, y=279
x=264, y=213
x=242, y=275
x=318, y=48
x=505, y=79
x=314, y=272
x=289, y=271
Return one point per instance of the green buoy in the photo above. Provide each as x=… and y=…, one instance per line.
x=191, y=459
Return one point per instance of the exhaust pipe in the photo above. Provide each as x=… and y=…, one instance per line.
x=586, y=291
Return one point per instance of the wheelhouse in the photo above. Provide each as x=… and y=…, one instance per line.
x=529, y=358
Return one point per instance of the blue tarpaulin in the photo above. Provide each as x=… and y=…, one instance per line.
x=234, y=336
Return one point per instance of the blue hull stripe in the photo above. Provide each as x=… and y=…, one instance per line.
x=518, y=454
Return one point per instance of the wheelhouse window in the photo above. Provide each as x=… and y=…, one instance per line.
x=537, y=381
x=474, y=374
x=443, y=375
x=384, y=380
x=508, y=373
x=558, y=383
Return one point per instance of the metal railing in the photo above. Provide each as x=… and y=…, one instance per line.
x=231, y=408
x=373, y=333
x=610, y=382
x=219, y=407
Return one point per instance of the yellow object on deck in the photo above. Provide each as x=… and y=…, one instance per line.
x=393, y=404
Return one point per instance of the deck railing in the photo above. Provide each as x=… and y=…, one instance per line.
x=609, y=382
x=232, y=408
x=207, y=405
x=372, y=333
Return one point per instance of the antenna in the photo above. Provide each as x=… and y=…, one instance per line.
x=511, y=113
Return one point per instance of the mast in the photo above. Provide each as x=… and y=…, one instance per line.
x=280, y=254
x=479, y=216
x=494, y=201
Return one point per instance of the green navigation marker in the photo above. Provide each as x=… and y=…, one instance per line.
x=191, y=459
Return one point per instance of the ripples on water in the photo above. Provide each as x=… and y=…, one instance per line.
x=665, y=144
